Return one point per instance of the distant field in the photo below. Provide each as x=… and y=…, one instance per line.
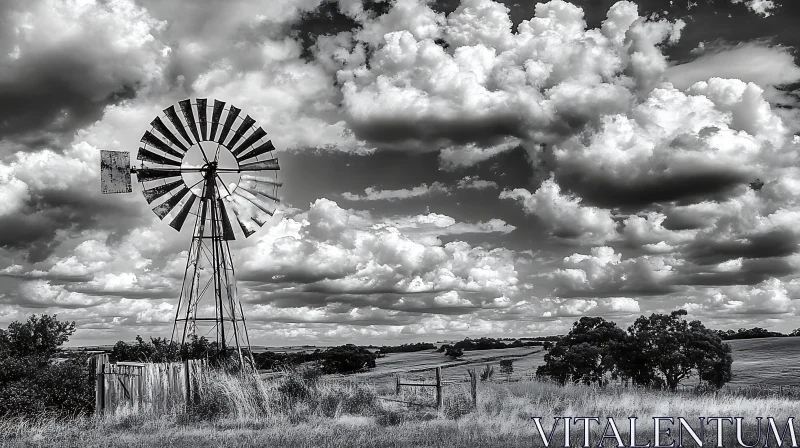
x=771, y=361
x=774, y=361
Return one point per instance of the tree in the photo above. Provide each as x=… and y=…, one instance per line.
x=454, y=352
x=584, y=354
x=507, y=368
x=346, y=359
x=40, y=336
x=662, y=350
x=31, y=382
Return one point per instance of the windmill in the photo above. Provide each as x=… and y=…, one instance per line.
x=201, y=170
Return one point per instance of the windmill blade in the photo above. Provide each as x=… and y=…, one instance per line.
x=234, y=205
x=227, y=230
x=186, y=108
x=254, y=137
x=115, y=172
x=149, y=174
x=163, y=209
x=173, y=118
x=232, y=114
x=262, y=149
x=251, y=207
x=150, y=156
x=263, y=180
x=164, y=130
x=151, y=194
x=219, y=106
x=157, y=143
x=180, y=218
x=258, y=189
x=201, y=116
x=247, y=123
x=270, y=164
x=258, y=202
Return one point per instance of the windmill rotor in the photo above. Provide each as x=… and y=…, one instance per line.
x=216, y=173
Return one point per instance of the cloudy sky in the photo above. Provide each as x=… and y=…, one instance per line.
x=451, y=168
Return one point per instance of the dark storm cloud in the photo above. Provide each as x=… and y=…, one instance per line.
x=55, y=81
x=685, y=188
x=751, y=272
x=775, y=243
x=36, y=226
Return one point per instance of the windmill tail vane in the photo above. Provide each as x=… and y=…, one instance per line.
x=214, y=173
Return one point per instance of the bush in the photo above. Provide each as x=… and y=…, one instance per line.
x=346, y=359
x=32, y=381
x=507, y=367
x=487, y=372
x=163, y=350
x=454, y=352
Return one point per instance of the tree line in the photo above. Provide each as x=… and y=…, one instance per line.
x=658, y=351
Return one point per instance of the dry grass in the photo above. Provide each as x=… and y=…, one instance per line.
x=305, y=411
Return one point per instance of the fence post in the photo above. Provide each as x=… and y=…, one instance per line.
x=99, y=362
x=139, y=388
x=473, y=387
x=397, y=385
x=187, y=382
x=439, y=397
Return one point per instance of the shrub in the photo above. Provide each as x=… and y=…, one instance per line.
x=454, y=352
x=487, y=372
x=346, y=359
x=507, y=367
x=32, y=382
x=163, y=350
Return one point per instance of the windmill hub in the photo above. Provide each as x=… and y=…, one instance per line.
x=198, y=170
x=202, y=157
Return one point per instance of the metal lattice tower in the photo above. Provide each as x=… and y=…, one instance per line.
x=188, y=169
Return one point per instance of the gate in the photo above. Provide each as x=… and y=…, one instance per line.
x=143, y=386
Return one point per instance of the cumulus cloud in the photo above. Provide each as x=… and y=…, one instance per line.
x=719, y=135
x=454, y=157
x=434, y=224
x=573, y=308
x=762, y=7
x=467, y=82
x=563, y=215
x=769, y=297
x=604, y=273
x=373, y=194
x=326, y=250
x=57, y=74
x=766, y=66
x=474, y=183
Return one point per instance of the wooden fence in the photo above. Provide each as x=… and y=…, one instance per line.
x=439, y=385
x=143, y=386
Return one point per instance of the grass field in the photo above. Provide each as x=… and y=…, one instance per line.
x=348, y=412
x=330, y=413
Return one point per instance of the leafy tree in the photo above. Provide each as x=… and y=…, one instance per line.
x=454, y=352
x=40, y=336
x=661, y=350
x=32, y=381
x=163, y=350
x=346, y=359
x=584, y=355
